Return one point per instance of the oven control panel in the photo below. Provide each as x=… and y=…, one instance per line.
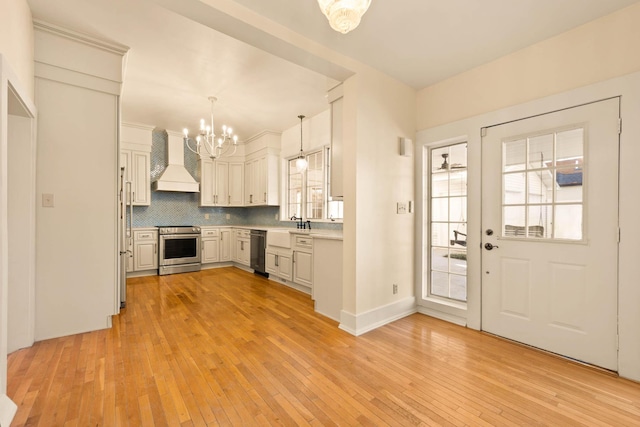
x=186, y=229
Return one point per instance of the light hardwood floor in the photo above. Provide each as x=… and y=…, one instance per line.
x=225, y=347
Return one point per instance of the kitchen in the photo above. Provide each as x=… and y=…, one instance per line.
x=220, y=236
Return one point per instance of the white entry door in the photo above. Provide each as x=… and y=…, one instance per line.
x=550, y=232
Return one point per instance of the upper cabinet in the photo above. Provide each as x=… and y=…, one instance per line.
x=221, y=182
x=261, y=180
x=135, y=157
x=335, y=171
x=262, y=170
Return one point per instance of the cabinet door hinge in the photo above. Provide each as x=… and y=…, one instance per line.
x=620, y=126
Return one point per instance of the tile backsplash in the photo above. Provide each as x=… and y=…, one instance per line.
x=172, y=208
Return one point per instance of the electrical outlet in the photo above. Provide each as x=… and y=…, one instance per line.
x=395, y=289
x=402, y=207
x=228, y=216
x=206, y=216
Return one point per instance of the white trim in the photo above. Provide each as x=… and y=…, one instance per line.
x=438, y=314
x=75, y=78
x=380, y=316
x=8, y=410
x=75, y=36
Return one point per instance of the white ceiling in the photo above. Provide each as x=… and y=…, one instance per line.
x=183, y=51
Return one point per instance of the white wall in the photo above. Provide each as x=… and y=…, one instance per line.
x=596, y=51
x=378, y=243
x=594, y=55
x=316, y=133
x=77, y=162
x=16, y=40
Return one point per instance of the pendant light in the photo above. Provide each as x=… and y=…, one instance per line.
x=301, y=161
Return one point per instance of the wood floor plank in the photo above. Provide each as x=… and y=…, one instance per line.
x=224, y=347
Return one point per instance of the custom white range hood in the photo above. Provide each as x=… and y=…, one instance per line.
x=176, y=177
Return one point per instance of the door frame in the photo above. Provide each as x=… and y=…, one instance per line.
x=628, y=88
x=15, y=101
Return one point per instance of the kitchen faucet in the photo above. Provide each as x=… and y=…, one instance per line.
x=301, y=224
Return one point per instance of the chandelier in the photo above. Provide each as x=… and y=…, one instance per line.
x=213, y=147
x=344, y=15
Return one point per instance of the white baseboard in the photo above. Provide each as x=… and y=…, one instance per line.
x=372, y=319
x=8, y=410
x=460, y=321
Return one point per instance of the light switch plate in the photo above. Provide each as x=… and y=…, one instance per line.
x=402, y=207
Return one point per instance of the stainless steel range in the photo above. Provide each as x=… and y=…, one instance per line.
x=179, y=249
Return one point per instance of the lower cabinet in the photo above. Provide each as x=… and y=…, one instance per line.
x=145, y=250
x=242, y=253
x=303, y=268
x=216, y=244
x=225, y=244
x=279, y=263
x=302, y=260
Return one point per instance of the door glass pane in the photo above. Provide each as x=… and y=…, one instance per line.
x=540, y=186
x=440, y=259
x=458, y=209
x=514, y=188
x=514, y=221
x=515, y=155
x=458, y=261
x=440, y=234
x=458, y=183
x=568, y=222
x=440, y=160
x=458, y=287
x=440, y=209
x=539, y=221
x=440, y=185
x=440, y=284
x=458, y=233
x=541, y=151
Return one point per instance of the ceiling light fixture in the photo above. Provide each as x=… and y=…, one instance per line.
x=344, y=15
x=301, y=161
x=214, y=148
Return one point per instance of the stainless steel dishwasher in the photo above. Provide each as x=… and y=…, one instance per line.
x=258, y=248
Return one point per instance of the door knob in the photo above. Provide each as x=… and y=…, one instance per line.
x=489, y=246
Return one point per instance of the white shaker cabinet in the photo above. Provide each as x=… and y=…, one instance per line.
x=278, y=263
x=242, y=253
x=221, y=183
x=303, y=260
x=135, y=157
x=225, y=245
x=210, y=245
x=261, y=181
x=145, y=249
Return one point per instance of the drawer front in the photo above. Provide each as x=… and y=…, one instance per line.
x=210, y=233
x=145, y=235
x=243, y=234
x=304, y=242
